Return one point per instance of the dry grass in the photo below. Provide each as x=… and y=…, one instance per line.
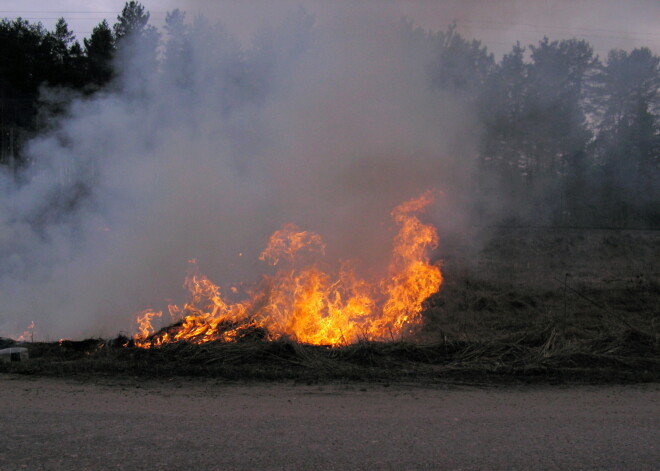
x=546, y=354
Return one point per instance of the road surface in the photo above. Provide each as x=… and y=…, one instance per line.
x=127, y=424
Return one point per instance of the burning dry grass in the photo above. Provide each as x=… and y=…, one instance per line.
x=600, y=324
x=308, y=304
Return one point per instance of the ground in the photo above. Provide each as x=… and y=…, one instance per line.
x=129, y=423
x=498, y=378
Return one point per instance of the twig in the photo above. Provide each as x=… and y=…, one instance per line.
x=342, y=337
x=565, y=306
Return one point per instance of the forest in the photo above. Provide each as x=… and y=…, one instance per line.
x=572, y=138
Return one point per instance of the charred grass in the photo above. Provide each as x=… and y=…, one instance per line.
x=579, y=307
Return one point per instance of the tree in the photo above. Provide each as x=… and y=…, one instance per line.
x=137, y=44
x=65, y=58
x=21, y=44
x=178, y=53
x=25, y=60
x=63, y=39
x=33, y=60
x=459, y=65
x=556, y=123
x=502, y=109
x=100, y=50
x=536, y=135
x=133, y=21
x=627, y=101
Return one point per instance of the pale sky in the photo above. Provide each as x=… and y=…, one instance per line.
x=606, y=24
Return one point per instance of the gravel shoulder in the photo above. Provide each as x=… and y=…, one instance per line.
x=126, y=423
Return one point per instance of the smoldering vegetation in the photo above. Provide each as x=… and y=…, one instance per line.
x=185, y=143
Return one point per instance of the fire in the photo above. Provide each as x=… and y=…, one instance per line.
x=27, y=334
x=307, y=304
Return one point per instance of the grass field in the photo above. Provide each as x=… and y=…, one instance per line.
x=531, y=305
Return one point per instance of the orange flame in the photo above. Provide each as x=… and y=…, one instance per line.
x=27, y=334
x=288, y=241
x=307, y=304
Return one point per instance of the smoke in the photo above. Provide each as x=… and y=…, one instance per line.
x=323, y=122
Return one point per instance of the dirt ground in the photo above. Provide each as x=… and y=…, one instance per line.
x=57, y=424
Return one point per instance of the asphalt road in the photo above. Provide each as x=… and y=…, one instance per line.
x=126, y=424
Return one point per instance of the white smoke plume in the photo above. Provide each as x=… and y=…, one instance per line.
x=324, y=122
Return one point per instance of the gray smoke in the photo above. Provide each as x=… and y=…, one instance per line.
x=326, y=125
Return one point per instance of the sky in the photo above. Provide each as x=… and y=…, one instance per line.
x=606, y=24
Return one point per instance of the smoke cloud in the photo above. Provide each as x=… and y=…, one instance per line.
x=323, y=122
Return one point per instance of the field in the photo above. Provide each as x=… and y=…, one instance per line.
x=530, y=305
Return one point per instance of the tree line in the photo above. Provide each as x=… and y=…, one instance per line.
x=33, y=59
x=563, y=137
x=566, y=138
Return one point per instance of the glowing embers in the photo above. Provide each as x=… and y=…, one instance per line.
x=307, y=304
